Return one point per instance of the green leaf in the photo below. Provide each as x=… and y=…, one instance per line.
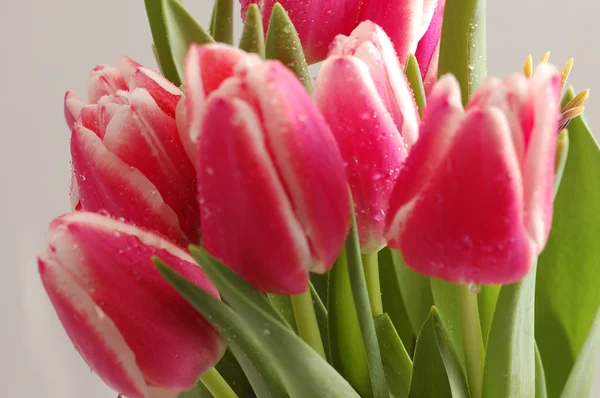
x=182, y=31
x=444, y=297
x=486, y=300
x=156, y=19
x=320, y=282
x=283, y=305
x=284, y=45
x=221, y=25
x=396, y=361
x=416, y=292
x=308, y=374
x=436, y=369
x=253, y=35
x=348, y=353
x=232, y=372
x=511, y=345
x=199, y=391
x=463, y=44
x=413, y=74
x=580, y=383
x=322, y=320
x=393, y=304
x=540, y=376
x=155, y=53
x=567, y=294
x=358, y=283
x=562, y=151
x=257, y=364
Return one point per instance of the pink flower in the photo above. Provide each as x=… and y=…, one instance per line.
x=411, y=24
x=364, y=96
x=128, y=158
x=272, y=190
x=473, y=202
x=129, y=325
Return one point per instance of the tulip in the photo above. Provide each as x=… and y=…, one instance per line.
x=128, y=157
x=473, y=203
x=271, y=184
x=363, y=94
x=407, y=22
x=129, y=325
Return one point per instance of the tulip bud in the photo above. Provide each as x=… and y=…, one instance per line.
x=473, y=203
x=129, y=325
x=128, y=157
x=364, y=96
x=271, y=183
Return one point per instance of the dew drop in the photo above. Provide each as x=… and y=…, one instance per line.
x=475, y=288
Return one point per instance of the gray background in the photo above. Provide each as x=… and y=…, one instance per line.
x=49, y=46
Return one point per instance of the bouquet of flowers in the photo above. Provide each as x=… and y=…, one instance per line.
x=400, y=226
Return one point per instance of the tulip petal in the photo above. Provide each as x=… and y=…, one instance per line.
x=146, y=138
x=206, y=67
x=73, y=106
x=106, y=183
x=369, y=43
x=307, y=159
x=245, y=212
x=94, y=334
x=538, y=172
x=112, y=262
x=165, y=94
x=104, y=80
x=441, y=117
x=371, y=145
x=430, y=41
x=317, y=23
x=466, y=225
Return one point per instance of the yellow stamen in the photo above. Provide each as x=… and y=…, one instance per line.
x=572, y=113
x=577, y=101
x=566, y=72
x=545, y=58
x=528, y=68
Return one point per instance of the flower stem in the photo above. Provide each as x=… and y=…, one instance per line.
x=468, y=311
x=306, y=321
x=216, y=384
x=371, y=267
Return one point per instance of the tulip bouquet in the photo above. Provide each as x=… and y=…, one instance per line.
x=400, y=226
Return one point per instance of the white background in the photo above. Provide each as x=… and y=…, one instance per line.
x=49, y=46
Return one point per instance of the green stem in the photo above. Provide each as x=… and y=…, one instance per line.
x=306, y=321
x=216, y=384
x=371, y=267
x=472, y=338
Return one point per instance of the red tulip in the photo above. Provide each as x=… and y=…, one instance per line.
x=364, y=96
x=129, y=325
x=271, y=183
x=473, y=202
x=128, y=158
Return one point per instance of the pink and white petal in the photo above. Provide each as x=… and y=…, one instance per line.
x=72, y=107
x=107, y=107
x=430, y=41
x=441, y=119
x=165, y=93
x=538, y=173
x=466, y=225
x=206, y=67
x=371, y=145
x=146, y=138
x=432, y=72
x=106, y=183
x=104, y=80
x=127, y=66
x=244, y=207
x=183, y=127
x=307, y=159
x=74, y=193
x=94, y=334
x=112, y=261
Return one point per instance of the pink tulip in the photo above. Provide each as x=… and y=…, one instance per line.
x=473, y=203
x=129, y=325
x=410, y=23
x=128, y=157
x=272, y=189
x=364, y=96
x=317, y=22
